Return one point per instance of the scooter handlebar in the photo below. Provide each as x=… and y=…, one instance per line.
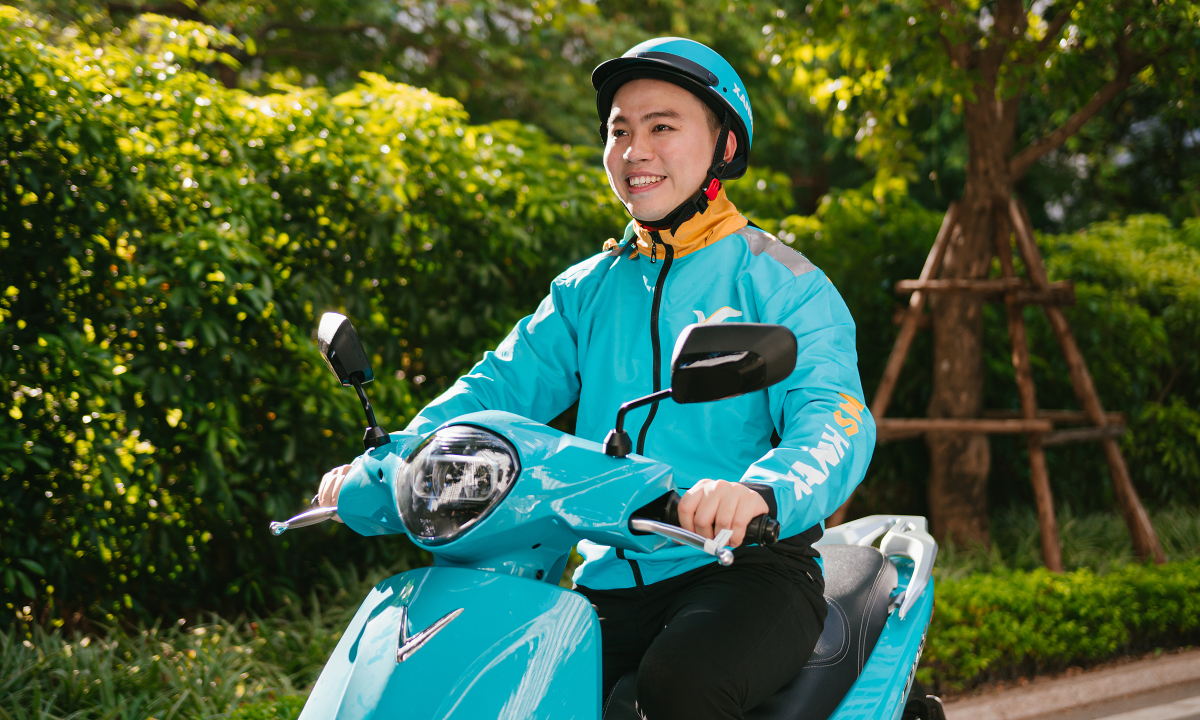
x=761, y=530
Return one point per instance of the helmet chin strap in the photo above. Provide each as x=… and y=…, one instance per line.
x=698, y=203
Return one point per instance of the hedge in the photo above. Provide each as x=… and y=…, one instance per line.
x=1011, y=624
x=166, y=247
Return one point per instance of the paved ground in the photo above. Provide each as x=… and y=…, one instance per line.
x=1176, y=702
x=1164, y=688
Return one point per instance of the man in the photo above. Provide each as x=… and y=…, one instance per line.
x=705, y=641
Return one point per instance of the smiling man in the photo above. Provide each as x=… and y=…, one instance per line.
x=684, y=636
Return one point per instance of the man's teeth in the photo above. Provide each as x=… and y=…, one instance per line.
x=644, y=180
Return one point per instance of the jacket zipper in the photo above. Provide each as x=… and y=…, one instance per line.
x=657, y=353
x=654, y=340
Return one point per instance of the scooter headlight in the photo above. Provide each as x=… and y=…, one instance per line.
x=453, y=480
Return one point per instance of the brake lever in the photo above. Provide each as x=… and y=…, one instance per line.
x=304, y=519
x=723, y=553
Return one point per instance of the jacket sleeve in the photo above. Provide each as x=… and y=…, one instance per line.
x=827, y=435
x=534, y=372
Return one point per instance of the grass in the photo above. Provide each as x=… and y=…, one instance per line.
x=261, y=668
x=1099, y=542
x=245, y=669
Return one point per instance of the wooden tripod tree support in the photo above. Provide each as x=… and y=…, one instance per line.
x=1037, y=425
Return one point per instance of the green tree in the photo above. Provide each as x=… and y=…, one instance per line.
x=1023, y=78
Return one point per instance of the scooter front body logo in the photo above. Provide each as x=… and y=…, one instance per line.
x=409, y=645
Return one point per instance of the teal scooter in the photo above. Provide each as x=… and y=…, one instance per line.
x=500, y=500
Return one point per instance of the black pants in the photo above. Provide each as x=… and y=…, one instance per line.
x=714, y=642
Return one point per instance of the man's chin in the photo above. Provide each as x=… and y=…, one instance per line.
x=644, y=214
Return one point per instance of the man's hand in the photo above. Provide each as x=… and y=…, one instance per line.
x=331, y=487
x=714, y=505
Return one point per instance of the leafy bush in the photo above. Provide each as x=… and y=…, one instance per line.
x=1004, y=625
x=166, y=246
x=1138, y=323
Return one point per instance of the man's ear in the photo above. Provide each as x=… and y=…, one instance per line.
x=731, y=145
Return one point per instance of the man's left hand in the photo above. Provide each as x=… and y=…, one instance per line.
x=714, y=505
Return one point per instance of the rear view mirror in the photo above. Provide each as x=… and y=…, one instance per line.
x=714, y=362
x=342, y=350
x=343, y=353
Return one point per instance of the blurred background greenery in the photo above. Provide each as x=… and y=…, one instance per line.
x=186, y=186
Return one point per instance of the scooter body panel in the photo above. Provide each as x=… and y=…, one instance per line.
x=519, y=649
x=568, y=490
x=881, y=691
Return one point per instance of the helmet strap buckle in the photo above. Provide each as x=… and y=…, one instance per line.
x=714, y=187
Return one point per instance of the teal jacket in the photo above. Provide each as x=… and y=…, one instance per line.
x=604, y=335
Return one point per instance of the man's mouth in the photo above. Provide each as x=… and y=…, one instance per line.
x=644, y=181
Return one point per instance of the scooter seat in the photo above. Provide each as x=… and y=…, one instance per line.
x=858, y=584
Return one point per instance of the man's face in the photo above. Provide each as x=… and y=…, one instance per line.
x=659, y=147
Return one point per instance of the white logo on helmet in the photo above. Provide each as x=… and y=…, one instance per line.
x=745, y=103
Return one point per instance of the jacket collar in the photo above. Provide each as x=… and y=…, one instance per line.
x=703, y=229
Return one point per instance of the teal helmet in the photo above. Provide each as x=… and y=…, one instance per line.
x=694, y=67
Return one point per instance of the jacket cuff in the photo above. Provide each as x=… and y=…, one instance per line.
x=768, y=493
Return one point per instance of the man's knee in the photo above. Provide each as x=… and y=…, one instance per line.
x=683, y=685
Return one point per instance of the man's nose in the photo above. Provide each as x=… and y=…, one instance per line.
x=639, y=149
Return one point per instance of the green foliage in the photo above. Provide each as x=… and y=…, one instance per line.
x=1096, y=541
x=166, y=246
x=908, y=57
x=285, y=708
x=255, y=668
x=1137, y=321
x=1004, y=625
x=204, y=671
x=481, y=52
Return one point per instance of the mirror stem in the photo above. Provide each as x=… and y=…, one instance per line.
x=375, y=436
x=640, y=402
x=618, y=444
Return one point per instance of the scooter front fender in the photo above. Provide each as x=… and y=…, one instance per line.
x=519, y=648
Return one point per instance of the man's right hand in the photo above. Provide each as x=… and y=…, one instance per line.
x=331, y=487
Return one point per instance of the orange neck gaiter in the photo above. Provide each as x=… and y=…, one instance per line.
x=701, y=230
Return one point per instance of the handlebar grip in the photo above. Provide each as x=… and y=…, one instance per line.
x=763, y=530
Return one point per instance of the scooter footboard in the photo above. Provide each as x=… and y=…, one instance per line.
x=474, y=645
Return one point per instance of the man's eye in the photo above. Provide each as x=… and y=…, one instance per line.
x=660, y=126
x=619, y=133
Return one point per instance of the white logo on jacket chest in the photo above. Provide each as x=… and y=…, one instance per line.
x=719, y=316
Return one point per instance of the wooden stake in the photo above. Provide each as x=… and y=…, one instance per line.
x=959, y=285
x=1038, y=474
x=989, y=426
x=1145, y=540
x=1068, y=417
x=1074, y=435
x=916, y=304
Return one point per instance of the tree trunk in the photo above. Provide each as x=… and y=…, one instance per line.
x=959, y=463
